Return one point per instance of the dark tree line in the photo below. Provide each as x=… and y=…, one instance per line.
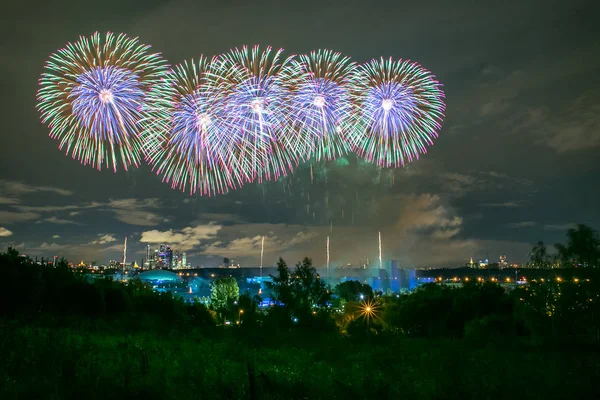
x=556, y=310
x=582, y=249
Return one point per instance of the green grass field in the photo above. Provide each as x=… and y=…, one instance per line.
x=45, y=363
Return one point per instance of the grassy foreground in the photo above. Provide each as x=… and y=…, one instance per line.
x=80, y=364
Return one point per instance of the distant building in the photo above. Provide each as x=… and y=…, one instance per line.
x=159, y=277
x=148, y=259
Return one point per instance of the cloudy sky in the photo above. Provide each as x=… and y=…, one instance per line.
x=516, y=160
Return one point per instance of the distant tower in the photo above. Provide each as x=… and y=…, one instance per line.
x=148, y=256
x=184, y=260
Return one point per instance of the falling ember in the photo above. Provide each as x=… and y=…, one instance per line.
x=311, y=174
x=380, y=259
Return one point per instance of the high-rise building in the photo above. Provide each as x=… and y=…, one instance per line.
x=147, y=263
x=184, y=260
x=503, y=263
x=169, y=257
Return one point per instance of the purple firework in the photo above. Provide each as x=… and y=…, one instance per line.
x=188, y=141
x=321, y=105
x=399, y=111
x=257, y=113
x=91, y=97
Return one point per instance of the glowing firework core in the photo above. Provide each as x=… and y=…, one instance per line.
x=387, y=104
x=106, y=96
x=319, y=101
x=257, y=105
x=203, y=120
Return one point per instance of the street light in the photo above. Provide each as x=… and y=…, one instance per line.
x=369, y=310
x=240, y=316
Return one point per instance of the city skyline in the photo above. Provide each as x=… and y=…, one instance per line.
x=512, y=165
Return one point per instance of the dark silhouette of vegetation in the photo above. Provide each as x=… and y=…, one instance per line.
x=581, y=250
x=63, y=335
x=301, y=294
x=353, y=291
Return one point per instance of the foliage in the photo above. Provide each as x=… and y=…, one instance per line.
x=539, y=256
x=224, y=292
x=68, y=364
x=583, y=246
x=582, y=249
x=300, y=292
x=352, y=290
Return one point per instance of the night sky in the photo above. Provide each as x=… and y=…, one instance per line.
x=516, y=160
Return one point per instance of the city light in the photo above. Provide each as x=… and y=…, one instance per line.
x=369, y=310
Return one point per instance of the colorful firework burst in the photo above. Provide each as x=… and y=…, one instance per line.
x=320, y=104
x=257, y=113
x=187, y=138
x=400, y=109
x=91, y=96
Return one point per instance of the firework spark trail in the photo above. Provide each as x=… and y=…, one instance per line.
x=91, y=96
x=380, y=252
x=262, y=250
x=327, y=259
x=124, y=257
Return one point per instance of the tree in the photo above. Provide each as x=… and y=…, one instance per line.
x=583, y=245
x=308, y=288
x=562, y=255
x=300, y=291
x=352, y=290
x=539, y=255
x=281, y=283
x=224, y=291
